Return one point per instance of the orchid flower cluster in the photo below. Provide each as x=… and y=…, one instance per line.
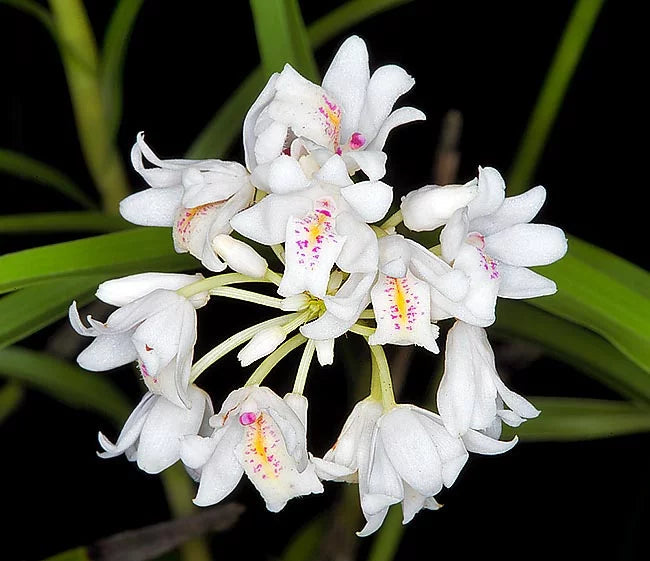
x=312, y=191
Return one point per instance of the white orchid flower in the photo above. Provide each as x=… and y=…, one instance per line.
x=322, y=225
x=155, y=327
x=471, y=394
x=411, y=285
x=404, y=455
x=152, y=434
x=350, y=115
x=431, y=206
x=494, y=244
x=197, y=198
x=260, y=434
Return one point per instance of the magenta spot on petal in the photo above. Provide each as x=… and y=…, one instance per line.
x=357, y=140
x=339, y=151
x=247, y=418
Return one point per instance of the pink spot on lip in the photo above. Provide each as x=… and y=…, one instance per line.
x=357, y=140
x=247, y=418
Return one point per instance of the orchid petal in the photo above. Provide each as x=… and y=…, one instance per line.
x=370, y=199
x=266, y=221
x=347, y=79
x=526, y=245
x=514, y=210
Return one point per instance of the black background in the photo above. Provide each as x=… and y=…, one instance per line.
x=485, y=59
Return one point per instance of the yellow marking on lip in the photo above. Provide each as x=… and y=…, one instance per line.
x=400, y=301
x=260, y=450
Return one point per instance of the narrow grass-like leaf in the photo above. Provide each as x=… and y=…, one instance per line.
x=179, y=492
x=11, y=396
x=305, y=544
x=65, y=382
x=616, y=267
x=551, y=96
x=33, y=9
x=569, y=419
x=76, y=554
x=574, y=345
x=116, y=42
x=19, y=165
x=590, y=297
x=222, y=130
x=134, y=251
x=282, y=38
x=346, y=16
x=219, y=134
x=84, y=221
x=28, y=310
x=386, y=543
x=78, y=52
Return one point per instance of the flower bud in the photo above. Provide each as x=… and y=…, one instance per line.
x=295, y=302
x=263, y=343
x=240, y=256
x=432, y=206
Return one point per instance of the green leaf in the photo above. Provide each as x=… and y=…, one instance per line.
x=347, y=16
x=574, y=345
x=22, y=166
x=11, y=396
x=28, y=310
x=222, y=130
x=84, y=221
x=116, y=42
x=134, y=251
x=305, y=544
x=568, y=419
x=78, y=52
x=589, y=296
x=65, y=382
x=386, y=543
x=217, y=137
x=76, y=554
x=282, y=38
x=33, y=9
x=568, y=54
x=616, y=267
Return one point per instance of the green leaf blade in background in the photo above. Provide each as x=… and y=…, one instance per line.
x=570, y=419
x=619, y=269
x=113, y=55
x=282, y=37
x=551, y=95
x=221, y=131
x=117, y=254
x=65, y=382
x=574, y=345
x=11, y=396
x=589, y=296
x=78, y=51
x=29, y=310
x=19, y=165
x=44, y=222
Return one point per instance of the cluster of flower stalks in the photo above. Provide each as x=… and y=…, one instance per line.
x=311, y=189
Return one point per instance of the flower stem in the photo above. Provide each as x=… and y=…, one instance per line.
x=297, y=321
x=279, y=252
x=393, y=221
x=303, y=367
x=363, y=330
x=247, y=296
x=272, y=276
x=216, y=281
x=232, y=343
x=385, y=382
x=276, y=356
